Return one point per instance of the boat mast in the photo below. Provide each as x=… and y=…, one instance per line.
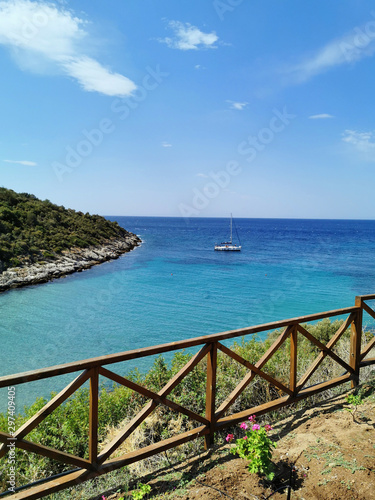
x=231, y=228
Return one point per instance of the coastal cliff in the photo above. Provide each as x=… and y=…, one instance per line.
x=40, y=241
x=72, y=260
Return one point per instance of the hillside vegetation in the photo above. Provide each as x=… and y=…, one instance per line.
x=32, y=230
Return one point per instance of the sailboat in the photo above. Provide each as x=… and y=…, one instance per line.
x=229, y=246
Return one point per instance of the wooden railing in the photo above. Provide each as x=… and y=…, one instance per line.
x=215, y=416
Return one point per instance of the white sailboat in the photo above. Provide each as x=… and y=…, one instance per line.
x=229, y=246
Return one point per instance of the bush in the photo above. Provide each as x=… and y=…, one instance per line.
x=48, y=255
x=14, y=262
x=31, y=229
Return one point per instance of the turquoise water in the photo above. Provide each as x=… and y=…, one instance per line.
x=175, y=286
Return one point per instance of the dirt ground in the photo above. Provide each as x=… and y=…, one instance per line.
x=323, y=453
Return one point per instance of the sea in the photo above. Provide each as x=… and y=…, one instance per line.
x=174, y=286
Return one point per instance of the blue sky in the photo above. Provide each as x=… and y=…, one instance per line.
x=190, y=108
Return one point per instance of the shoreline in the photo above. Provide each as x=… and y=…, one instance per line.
x=71, y=261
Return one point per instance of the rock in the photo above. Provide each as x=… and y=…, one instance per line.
x=73, y=260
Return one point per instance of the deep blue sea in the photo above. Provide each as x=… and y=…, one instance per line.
x=175, y=286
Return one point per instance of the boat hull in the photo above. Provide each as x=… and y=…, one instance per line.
x=228, y=248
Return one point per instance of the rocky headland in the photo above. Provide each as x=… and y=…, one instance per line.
x=70, y=261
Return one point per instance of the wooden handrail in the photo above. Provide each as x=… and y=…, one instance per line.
x=327, y=350
x=215, y=418
x=48, y=408
x=86, y=364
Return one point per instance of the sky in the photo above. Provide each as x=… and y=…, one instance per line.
x=190, y=108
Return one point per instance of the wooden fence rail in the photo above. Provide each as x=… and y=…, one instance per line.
x=215, y=417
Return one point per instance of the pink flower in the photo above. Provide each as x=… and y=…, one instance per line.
x=268, y=428
x=103, y=497
x=245, y=437
x=255, y=427
x=252, y=418
x=229, y=438
x=243, y=426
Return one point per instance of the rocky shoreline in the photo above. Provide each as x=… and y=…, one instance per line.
x=73, y=260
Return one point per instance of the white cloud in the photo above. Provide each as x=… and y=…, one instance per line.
x=238, y=105
x=93, y=77
x=363, y=142
x=22, y=162
x=42, y=36
x=322, y=116
x=349, y=49
x=166, y=144
x=188, y=37
x=204, y=176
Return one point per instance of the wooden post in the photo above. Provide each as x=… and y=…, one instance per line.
x=93, y=416
x=355, y=342
x=293, y=360
x=211, y=394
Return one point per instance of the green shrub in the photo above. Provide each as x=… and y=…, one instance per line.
x=31, y=228
x=14, y=262
x=48, y=255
